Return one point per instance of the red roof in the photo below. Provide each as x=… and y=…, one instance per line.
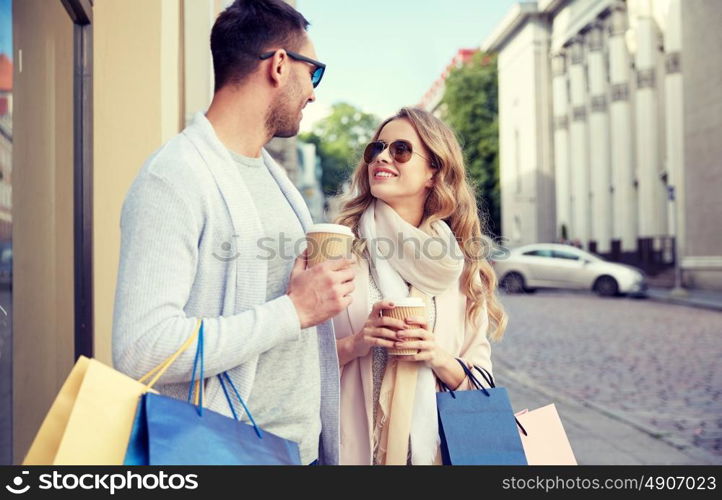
x=6, y=73
x=464, y=55
x=461, y=57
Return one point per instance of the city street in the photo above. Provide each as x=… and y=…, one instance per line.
x=635, y=381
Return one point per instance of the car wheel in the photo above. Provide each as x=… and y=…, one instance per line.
x=513, y=283
x=606, y=286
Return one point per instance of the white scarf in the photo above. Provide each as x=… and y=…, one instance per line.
x=431, y=261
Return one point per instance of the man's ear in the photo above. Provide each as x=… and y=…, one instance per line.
x=279, y=68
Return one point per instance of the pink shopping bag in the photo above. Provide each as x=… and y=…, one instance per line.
x=546, y=442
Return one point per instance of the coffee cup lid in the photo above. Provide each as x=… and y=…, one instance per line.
x=408, y=302
x=331, y=228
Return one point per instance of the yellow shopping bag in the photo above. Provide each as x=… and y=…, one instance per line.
x=89, y=422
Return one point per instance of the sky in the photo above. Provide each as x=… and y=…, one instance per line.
x=384, y=54
x=6, y=28
x=380, y=54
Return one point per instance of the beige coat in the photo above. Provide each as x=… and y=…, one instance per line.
x=453, y=333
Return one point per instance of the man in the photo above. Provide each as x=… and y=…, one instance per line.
x=191, y=227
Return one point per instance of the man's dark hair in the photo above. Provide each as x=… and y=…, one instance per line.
x=247, y=28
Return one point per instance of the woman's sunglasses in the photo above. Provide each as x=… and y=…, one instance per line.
x=400, y=151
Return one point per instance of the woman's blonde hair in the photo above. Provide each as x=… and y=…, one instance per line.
x=452, y=200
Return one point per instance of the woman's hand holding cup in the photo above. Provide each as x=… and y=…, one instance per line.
x=378, y=330
x=417, y=336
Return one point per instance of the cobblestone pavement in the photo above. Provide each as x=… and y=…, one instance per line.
x=658, y=366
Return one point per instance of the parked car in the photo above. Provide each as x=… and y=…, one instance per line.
x=551, y=265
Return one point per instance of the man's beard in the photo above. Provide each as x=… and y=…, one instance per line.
x=283, y=117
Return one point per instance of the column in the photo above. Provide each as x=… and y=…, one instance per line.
x=579, y=145
x=624, y=194
x=652, y=195
x=675, y=127
x=561, y=144
x=599, y=154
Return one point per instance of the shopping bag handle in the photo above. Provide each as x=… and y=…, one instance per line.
x=489, y=379
x=197, y=385
x=159, y=370
x=471, y=376
x=223, y=375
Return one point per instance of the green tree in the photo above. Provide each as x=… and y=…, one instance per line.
x=339, y=139
x=470, y=105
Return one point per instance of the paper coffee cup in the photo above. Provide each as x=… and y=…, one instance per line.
x=328, y=241
x=406, y=307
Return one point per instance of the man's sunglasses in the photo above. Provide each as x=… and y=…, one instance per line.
x=317, y=73
x=400, y=150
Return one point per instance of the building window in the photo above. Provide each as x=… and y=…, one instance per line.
x=516, y=235
x=569, y=90
x=607, y=67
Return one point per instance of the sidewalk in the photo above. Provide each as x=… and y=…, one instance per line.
x=599, y=436
x=706, y=299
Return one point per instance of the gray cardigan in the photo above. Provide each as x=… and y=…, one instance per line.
x=189, y=236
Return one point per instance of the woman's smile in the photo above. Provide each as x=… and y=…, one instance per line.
x=383, y=174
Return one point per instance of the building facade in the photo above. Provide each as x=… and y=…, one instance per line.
x=6, y=252
x=6, y=146
x=308, y=180
x=97, y=87
x=608, y=111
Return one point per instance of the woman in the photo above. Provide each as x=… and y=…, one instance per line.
x=411, y=189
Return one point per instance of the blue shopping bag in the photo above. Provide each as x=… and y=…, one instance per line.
x=478, y=427
x=168, y=431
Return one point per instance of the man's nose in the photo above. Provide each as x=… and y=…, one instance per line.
x=312, y=97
